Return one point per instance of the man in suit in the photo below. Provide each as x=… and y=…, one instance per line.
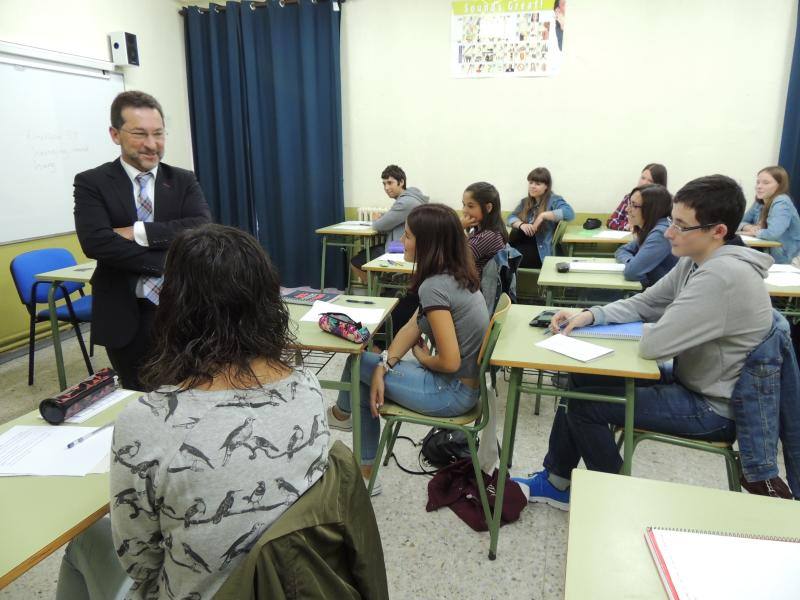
x=126, y=214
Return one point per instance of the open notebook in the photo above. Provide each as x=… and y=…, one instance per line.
x=704, y=565
x=616, y=331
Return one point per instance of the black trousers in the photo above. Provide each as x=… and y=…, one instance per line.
x=128, y=360
x=526, y=245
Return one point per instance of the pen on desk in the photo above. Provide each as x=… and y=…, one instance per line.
x=351, y=301
x=562, y=325
x=83, y=438
x=85, y=269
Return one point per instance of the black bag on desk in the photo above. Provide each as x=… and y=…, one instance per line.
x=442, y=447
x=592, y=224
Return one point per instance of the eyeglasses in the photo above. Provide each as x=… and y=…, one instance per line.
x=143, y=135
x=680, y=229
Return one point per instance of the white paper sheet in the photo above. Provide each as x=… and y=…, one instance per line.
x=399, y=257
x=42, y=450
x=367, y=316
x=351, y=225
x=783, y=279
x=574, y=348
x=610, y=234
x=585, y=266
x=748, y=238
x=784, y=269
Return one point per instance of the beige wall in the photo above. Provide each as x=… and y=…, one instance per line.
x=699, y=86
x=81, y=27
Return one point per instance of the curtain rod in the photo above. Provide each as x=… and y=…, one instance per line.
x=253, y=5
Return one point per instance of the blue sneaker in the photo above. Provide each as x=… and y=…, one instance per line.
x=541, y=490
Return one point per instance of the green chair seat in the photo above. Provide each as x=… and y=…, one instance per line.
x=390, y=409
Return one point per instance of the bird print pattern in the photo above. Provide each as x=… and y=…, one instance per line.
x=198, y=477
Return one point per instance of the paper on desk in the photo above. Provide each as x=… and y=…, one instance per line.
x=399, y=257
x=586, y=266
x=748, y=238
x=97, y=407
x=42, y=450
x=611, y=235
x=351, y=225
x=784, y=269
x=364, y=315
x=574, y=348
x=783, y=279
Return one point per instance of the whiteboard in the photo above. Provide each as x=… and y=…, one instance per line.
x=53, y=124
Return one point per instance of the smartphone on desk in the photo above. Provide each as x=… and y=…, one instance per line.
x=543, y=319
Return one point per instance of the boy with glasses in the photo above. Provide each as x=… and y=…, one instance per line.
x=709, y=312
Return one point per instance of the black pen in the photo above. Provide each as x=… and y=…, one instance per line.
x=562, y=325
x=85, y=269
x=359, y=301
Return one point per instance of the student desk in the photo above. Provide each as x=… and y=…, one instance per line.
x=576, y=235
x=550, y=278
x=380, y=265
x=345, y=235
x=515, y=348
x=77, y=273
x=310, y=337
x=607, y=556
x=40, y=514
x=787, y=299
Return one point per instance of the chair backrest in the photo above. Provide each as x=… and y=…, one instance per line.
x=561, y=228
x=25, y=267
x=493, y=332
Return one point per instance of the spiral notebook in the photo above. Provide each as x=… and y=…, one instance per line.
x=708, y=565
x=616, y=331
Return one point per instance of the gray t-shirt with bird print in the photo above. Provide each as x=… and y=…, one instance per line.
x=198, y=476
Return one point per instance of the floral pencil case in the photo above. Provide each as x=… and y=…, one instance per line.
x=344, y=327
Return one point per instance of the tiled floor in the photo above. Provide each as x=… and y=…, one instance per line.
x=428, y=555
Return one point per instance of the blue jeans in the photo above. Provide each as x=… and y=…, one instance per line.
x=583, y=432
x=410, y=385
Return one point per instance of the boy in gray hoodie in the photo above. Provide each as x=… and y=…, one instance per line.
x=392, y=223
x=709, y=312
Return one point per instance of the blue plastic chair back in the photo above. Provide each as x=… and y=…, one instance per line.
x=26, y=266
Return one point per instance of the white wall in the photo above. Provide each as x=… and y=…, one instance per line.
x=697, y=85
x=81, y=27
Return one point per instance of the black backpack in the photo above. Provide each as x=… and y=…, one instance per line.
x=442, y=447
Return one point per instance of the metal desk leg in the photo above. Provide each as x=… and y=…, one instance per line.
x=505, y=457
x=548, y=293
x=355, y=404
x=628, y=433
x=322, y=269
x=51, y=302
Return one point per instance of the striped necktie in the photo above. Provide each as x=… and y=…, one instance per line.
x=144, y=212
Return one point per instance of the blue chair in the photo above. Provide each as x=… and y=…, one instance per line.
x=24, y=269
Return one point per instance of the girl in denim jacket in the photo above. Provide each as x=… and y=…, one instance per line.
x=535, y=218
x=773, y=215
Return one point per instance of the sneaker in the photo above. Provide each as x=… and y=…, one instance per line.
x=336, y=423
x=541, y=490
x=377, y=489
x=774, y=488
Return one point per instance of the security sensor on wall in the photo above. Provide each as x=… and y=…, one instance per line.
x=124, y=49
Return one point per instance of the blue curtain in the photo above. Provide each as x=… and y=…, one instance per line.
x=266, y=118
x=790, y=139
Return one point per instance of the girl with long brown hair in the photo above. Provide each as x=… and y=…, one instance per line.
x=452, y=313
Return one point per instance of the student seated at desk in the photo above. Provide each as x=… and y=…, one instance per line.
x=709, y=312
x=229, y=439
x=648, y=257
x=487, y=233
x=773, y=215
x=534, y=220
x=452, y=314
x=392, y=222
x=652, y=173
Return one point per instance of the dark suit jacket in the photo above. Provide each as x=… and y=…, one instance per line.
x=104, y=200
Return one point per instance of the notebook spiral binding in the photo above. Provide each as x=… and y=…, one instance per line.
x=750, y=536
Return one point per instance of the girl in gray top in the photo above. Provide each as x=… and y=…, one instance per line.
x=452, y=313
x=229, y=439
